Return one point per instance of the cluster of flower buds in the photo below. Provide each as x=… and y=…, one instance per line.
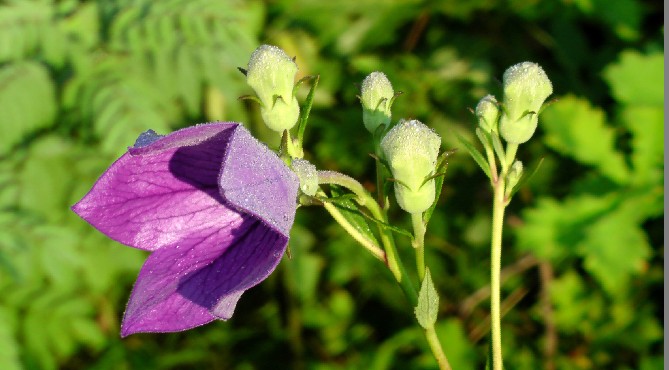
x=526, y=87
x=409, y=148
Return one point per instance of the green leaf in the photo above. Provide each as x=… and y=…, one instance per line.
x=392, y=228
x=349, y=209
x=646, y=123
x=637, y=78
x=498, y=147
x=615, y=248
x=577, y=308
x=27, y=102
x=9, y=346
x=442, y=164
x=478, y=157
x=571, y=124
x=428, y=303
x=306, y=108
x=553, y=229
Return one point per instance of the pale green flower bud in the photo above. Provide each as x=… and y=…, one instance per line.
x=271, y=74
x=376, y=96
x=526, y=87
x=487, y=112
x=411, y=149
x=307, y=174
x=514, y=175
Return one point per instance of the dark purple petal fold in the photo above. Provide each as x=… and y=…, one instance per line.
x=192, y=283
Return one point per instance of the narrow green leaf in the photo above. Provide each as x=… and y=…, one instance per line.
x=392, y=228
x=428, y=303
x=349, y=209
x=499, y=148
x=306, y=109
x=478, y=157
x=345, y=204
x=442, y=164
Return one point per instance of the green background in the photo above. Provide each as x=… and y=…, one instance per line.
x=583, y=249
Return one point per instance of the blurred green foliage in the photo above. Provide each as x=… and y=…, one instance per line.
x=79, y=80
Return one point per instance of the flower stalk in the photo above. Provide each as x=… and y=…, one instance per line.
x=499, y=205
x=419, y=242
x=437, y=351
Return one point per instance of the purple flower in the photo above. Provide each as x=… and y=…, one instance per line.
x=212, y=204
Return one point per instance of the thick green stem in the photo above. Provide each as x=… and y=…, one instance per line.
x=337, y=178
x=435, y=346
x=498, y=207
x=419, y=243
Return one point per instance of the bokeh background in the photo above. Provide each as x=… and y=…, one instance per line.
x=583, y=250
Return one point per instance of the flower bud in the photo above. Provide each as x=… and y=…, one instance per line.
x=411, y=149
x=514, y=175
x=487, y=113
x=526, y=87
x=307, y=174
x=376, y=95
x=271, y=74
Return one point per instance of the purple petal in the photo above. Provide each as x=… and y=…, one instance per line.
x=200, y=279
x=166, y=195
x=254, y=180
x=155, y=194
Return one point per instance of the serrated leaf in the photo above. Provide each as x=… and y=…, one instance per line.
x=428, y=302
x=553, y=229
x=478, y=157
x=576, y=129
x=615, y=248
x=637, y=78
x=646, y=123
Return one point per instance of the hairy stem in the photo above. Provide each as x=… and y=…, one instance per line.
x=337, y=178
x=419, y=243
x=435, y=346
x=495, y=267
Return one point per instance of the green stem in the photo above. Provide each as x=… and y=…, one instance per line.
x=419, y=243
x=366, y=200
x=495, y=268
x=435, y=346
x=337, y=178
x=511, y=150
x=381, y=197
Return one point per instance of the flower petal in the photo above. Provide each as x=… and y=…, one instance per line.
x=156, y=193
x=254, y=180
x=200, y=279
